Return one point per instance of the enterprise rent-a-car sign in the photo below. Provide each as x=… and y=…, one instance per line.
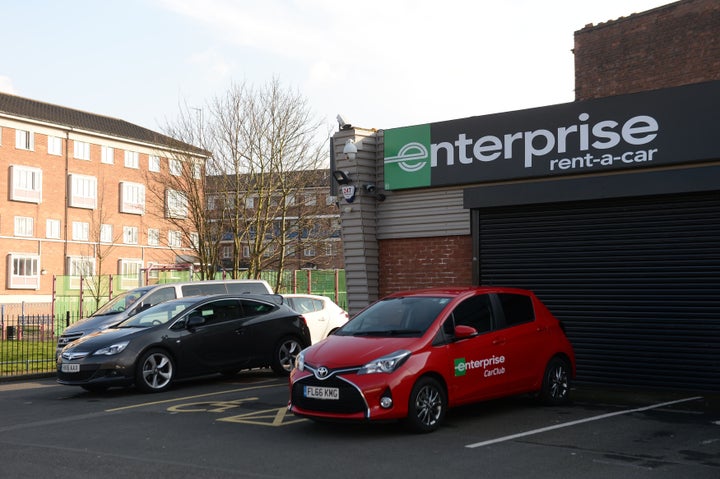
x=648, y=129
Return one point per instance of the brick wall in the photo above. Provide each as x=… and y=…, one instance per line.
x=424, y=262
x=672, y=45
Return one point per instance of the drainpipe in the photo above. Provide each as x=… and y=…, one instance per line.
x=67, y=198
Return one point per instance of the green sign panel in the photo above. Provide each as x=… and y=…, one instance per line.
x=407, y=157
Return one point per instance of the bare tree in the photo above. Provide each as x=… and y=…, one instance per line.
x=262, y=140
x=176, y=187
x=101, y=241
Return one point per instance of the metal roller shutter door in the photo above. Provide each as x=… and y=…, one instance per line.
x=636, y=282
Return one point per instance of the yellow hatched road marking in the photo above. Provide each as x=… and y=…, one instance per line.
x=267, y=417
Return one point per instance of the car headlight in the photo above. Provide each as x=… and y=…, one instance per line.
x=112, y=349
x=386, y=364
x=300, y=361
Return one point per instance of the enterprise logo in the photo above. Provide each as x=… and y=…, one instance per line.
x=411, y=157
x=414, y=160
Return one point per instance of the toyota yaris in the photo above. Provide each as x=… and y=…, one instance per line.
x=412, y=355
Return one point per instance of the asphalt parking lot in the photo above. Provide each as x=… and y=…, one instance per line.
x=239, y=428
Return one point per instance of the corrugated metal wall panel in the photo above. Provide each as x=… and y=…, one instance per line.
x=636, y=282
x=415, y=214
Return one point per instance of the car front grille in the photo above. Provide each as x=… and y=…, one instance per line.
x=81, y=376
x=350, y=402
x=66, y=339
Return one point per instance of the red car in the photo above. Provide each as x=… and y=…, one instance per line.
x=414, y=354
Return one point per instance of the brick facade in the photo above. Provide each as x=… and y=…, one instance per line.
x=32, y=257
x=424, y=262
x=673, y=45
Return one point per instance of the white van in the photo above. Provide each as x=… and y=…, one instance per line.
x=131, y=302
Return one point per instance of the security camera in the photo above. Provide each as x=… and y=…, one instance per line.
x=343, y=123
x=370, y=188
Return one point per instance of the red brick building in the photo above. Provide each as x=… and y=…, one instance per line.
x=79, y=197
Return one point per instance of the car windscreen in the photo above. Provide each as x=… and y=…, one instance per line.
x=404, y=316
x=158, y=314
x=121, y=302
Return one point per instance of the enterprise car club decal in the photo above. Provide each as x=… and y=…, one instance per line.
x=461, y=366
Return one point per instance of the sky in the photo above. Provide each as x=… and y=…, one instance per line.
x=380, y=63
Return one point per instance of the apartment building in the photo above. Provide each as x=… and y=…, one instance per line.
x=83, y=194
x=300, y=221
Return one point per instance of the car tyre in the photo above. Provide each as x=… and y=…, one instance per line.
x=427, y=405
x=286, y=350
x=556, y=383
x=155, y=371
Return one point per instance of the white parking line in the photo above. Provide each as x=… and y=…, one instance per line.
x=579, y=421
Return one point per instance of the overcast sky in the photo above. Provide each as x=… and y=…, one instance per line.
x=382, y=64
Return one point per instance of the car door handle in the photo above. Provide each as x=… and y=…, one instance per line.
x=497, y=341
x=542, y=329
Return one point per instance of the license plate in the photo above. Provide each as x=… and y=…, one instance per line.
x=316, y=392
x=70, y=368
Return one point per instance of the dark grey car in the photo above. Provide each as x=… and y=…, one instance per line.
x=184, y=338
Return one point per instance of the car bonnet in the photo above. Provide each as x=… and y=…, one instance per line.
x=348, y=351
x=100, y=339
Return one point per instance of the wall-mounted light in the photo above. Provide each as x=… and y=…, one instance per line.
x=341, y=177
x=43, y=271
x=350, y=149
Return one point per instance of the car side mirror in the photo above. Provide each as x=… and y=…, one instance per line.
x=463, y=332
x=195, y=321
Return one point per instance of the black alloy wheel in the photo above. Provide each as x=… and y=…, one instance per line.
x=556, y=383
x=426, y=409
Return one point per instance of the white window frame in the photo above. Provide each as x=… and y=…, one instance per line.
x=176, y=204
x=197, y=169
x=309, y=251
x=24, y=140
x=226, y=251
x=54, y=145
x=250, y=202
x=78, y=266
x=175, y=239
x=132, y=198
x=24, y=226
x=107, y=155
x=211, y=202
x=130, y=234
x=83, y=191
x=52, y=229
x=153, y=237
x=175, y=166
x=194, y=241
x=310, y=199
x=129, y=270
x=80, y=231
x=106, y=233
x=132, y=159
x=154, y=163
x=25, y=184
x=81, y=150
x=23, y=271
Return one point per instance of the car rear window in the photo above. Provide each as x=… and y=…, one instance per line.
x=245, y=288
x=518, y=308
